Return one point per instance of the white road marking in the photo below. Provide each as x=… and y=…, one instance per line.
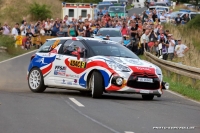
x=76, y=102
x=128, y=132
x=103, y=125
x=182, y=96
x=18, y=56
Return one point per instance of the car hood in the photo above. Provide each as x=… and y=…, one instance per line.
x=130, y=62
x=116, y=39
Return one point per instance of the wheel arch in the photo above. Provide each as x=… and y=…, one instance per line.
x=90, y=74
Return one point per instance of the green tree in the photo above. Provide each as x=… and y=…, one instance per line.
x=38, y=11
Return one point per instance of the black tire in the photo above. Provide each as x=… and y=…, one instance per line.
x=148, y=97
x=41, y=87
x=98, y=85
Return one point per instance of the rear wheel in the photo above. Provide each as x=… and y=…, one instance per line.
x=36, y=81
x=96, y=84
x=148, y=97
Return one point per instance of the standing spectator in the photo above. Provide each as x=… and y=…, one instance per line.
x=178, y=20
x=180, y=49
x=154, y=16
x=71, y=31
x=163, y=18
x=47, y=28
x=165, y=46
x=152, y=39
x=89, y=18
x=55, y=28
x=186, y=19
x=60, y=33
x=6, y=29
x=124, y=30
x=171, y=47
x=24, y=28
x=104, y=11
x=81, y=31
x=15, y=32
x=144, y=41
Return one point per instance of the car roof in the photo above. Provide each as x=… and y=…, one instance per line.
x=110, y=29
x=73, y=38
x=158, y=6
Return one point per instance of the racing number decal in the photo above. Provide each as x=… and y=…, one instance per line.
x=77, y=63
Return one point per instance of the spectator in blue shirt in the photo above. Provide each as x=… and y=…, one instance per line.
x=104, y=11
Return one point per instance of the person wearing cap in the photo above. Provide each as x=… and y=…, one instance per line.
x=180, y=50
x=171, y=47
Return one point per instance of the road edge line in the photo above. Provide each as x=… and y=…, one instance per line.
x=177, y=94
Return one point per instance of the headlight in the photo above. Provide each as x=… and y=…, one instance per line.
x=118, y=67
x=159, y=73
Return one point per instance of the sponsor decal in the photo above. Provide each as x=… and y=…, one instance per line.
x=41, y=61
x=72, y=76
x=143, y=68
x=75, y=82
x=69, y=83
x=63, y=82
x=60, y=70
x=77, y=64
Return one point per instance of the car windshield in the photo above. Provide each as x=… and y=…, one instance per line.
x=116, y=9
x=109, y=48
x=160, y=4
x=46, y=47
x=112, y=33
x=175, y=14
x=103, y=6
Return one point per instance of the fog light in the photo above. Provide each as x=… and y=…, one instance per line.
x=166, y=86
x=119, y=81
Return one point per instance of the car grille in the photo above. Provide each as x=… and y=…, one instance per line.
x=132, y=81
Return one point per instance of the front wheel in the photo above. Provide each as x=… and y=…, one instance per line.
x=36, y=81
x=148, y=97
x=96, y=84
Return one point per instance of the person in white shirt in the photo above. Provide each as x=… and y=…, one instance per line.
x=180, y=49
x=171, y=47
x=15, y=32
x=89, y=18
x=24, y=28
x=162, y=18
x=144, y=41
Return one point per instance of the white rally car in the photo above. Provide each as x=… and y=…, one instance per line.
x=93, y=65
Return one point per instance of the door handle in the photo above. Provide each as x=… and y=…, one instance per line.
x=58, y=59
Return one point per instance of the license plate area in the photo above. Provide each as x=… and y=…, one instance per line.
x=147, y=80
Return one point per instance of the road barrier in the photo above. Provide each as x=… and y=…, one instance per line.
x=179, y=69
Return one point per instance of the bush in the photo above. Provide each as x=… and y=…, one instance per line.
x=39, y=12
x=194, y=23
x=9, y=42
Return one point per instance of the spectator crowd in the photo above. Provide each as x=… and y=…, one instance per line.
x=145, y=31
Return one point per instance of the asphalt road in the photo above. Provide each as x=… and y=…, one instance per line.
x=64, y=111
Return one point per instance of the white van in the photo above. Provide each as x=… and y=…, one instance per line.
x=112, y=1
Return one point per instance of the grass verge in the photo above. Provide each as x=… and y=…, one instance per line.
x=128, y=7
x=19, y=51
x=8, y=42
x=183, y=89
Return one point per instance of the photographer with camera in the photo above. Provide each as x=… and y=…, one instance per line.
x=24, y=28
x=163, y=46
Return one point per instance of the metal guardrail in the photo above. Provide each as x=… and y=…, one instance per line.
x=188, y=71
